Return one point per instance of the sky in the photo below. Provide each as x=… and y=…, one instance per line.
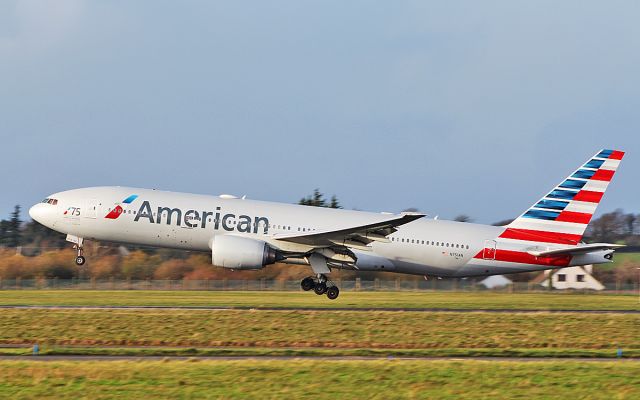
x=456, y=107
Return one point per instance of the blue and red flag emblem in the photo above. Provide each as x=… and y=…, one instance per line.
x=118, y=210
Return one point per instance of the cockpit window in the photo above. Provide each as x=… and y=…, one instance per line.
x=53, y=202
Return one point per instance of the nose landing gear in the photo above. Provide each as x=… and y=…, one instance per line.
x=80, y=260
x=319, y=286
x=79, y=246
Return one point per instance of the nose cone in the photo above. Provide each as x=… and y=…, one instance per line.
x=40, y=212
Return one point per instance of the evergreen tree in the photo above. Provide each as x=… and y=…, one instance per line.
x=317, y=200
x=37, y=235
x=334, y=202
x=462, y=218
x=12, y=235
x=4, y=228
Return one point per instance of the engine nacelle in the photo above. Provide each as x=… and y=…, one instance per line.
x=242, y=253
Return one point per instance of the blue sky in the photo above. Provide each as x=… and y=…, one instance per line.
x=449, y=107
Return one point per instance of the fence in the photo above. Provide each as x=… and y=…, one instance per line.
x=357, y=284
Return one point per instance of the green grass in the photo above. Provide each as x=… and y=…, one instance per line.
x=308, y=379
x=323, y=328
x=316, y=352
x=622, y=258
x=485, y=300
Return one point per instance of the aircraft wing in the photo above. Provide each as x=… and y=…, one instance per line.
x=573, y=250
x=355, y=236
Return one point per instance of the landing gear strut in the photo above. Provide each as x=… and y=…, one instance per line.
x=319, y=286
x=79, y=246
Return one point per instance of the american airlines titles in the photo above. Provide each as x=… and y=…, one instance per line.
x=193, y=219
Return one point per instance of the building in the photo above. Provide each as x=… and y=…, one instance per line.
x=570, y=278
x=496, y=281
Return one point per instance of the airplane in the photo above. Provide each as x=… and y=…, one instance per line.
x=243, y=234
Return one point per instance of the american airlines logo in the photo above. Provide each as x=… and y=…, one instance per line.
x=193, y=218
x=118, y=210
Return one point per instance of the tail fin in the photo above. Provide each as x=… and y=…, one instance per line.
x=563, y=214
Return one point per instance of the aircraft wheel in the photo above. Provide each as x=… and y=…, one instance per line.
x=80, y=260
x=321, y=288
x=307, y=284
x=333, y=292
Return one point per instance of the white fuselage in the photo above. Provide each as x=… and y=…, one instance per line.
x=191, y=222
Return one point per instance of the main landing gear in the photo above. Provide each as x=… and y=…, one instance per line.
x=320, y=287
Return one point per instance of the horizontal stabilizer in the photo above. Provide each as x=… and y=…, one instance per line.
x=573, y=250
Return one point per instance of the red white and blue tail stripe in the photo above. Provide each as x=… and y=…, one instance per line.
x=564, y=213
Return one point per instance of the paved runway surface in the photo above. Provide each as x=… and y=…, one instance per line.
x=455, y=310
x=285, y=358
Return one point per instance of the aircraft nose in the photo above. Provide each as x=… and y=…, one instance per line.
x=37, y=212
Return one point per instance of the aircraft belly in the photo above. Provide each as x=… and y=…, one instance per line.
x=479, y=267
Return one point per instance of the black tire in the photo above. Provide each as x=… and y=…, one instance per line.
x=80, y=260
x=307, y=284
x=320, y=289
x=333, y=292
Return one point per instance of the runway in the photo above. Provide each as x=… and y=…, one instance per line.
x=291, y=358
x=354, y=309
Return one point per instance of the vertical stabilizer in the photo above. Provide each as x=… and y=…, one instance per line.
x=564, y=213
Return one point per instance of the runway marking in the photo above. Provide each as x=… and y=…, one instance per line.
x=356, y=309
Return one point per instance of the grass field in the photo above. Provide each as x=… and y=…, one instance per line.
x=620, y=259
x=306, y=379
x=466, y=353
x=485, y=300
x=556, y=333
x=328, y=332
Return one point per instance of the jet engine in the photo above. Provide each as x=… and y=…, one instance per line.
x=237, y=252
